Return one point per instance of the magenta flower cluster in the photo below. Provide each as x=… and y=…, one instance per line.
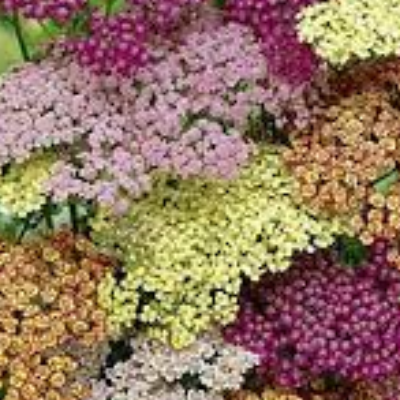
x=185, y=114
x=114, y=45
x=121, y=44
x=320, y=318
x=163, y=16
x=274, y=21
x=58, y=10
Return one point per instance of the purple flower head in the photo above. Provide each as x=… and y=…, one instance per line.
x=121, y=44
x=58, y=10
x=274, y=22
x=114, y=45
x=164, y=15
x=320, y=318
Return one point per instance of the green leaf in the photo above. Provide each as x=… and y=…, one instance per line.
x=120, y=351
x=384, y=183
x=109, y=6
x=351, y=251
x=9, y=227
x=191, y=380
x=10, y=54
x=220, y=3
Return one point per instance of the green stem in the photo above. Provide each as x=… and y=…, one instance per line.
x=73, y=210
x=31, y=222
x=24, y=229
x=109, y=7
x=20, y=37
x=219, y=3
x=48, y=216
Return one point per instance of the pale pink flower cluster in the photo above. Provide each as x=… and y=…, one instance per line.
x=292, y=106
x=185, y=115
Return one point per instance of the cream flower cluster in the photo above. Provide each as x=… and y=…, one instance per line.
x=344, y=30
x=187, y=245
x=22, y=187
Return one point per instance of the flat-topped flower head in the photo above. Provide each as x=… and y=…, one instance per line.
x=51, y=320
x=323, y=319
x=22, y=187
x=345, y=31
x=203, y=371
x=185, y=114
x=187, y=245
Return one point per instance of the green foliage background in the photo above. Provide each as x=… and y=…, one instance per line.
x=9, y=51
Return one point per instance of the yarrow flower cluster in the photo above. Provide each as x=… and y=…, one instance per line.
x=121, y=44
x=358, y=392
x=22, y=187
x=268, y=394
x=163, y=16
x=346, y=163
x=320, y=318
x=114, y=45
x=232, y=200
x=343, y=31
x=385, y=390
x=183, y=115
x=275, y=23
x=187, y=245
x=369, y=76
x=203, y=371
x=58, y=10
x=48, y=304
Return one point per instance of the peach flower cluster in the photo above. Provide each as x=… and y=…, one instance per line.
x=346, y=163
x=48, y=316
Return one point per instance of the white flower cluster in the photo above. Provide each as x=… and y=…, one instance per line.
x=202, y=371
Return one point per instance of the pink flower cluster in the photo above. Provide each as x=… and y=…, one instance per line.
x=185, y=115
x=58, y=10
x=293, y=106
x=320, y=319
x=274, y=21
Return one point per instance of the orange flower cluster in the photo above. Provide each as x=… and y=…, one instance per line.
x=388, y=389
x=48, y=301
x=356, y=392
x=343, y=158
x=268, y=394
x=382, y=75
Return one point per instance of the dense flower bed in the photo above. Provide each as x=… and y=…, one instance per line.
x=200, y=200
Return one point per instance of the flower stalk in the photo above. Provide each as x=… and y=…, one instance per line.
x=19, y=34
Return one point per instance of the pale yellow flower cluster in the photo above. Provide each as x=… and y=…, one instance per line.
x=188, y=245
x=346, y=30
x=22, y=188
